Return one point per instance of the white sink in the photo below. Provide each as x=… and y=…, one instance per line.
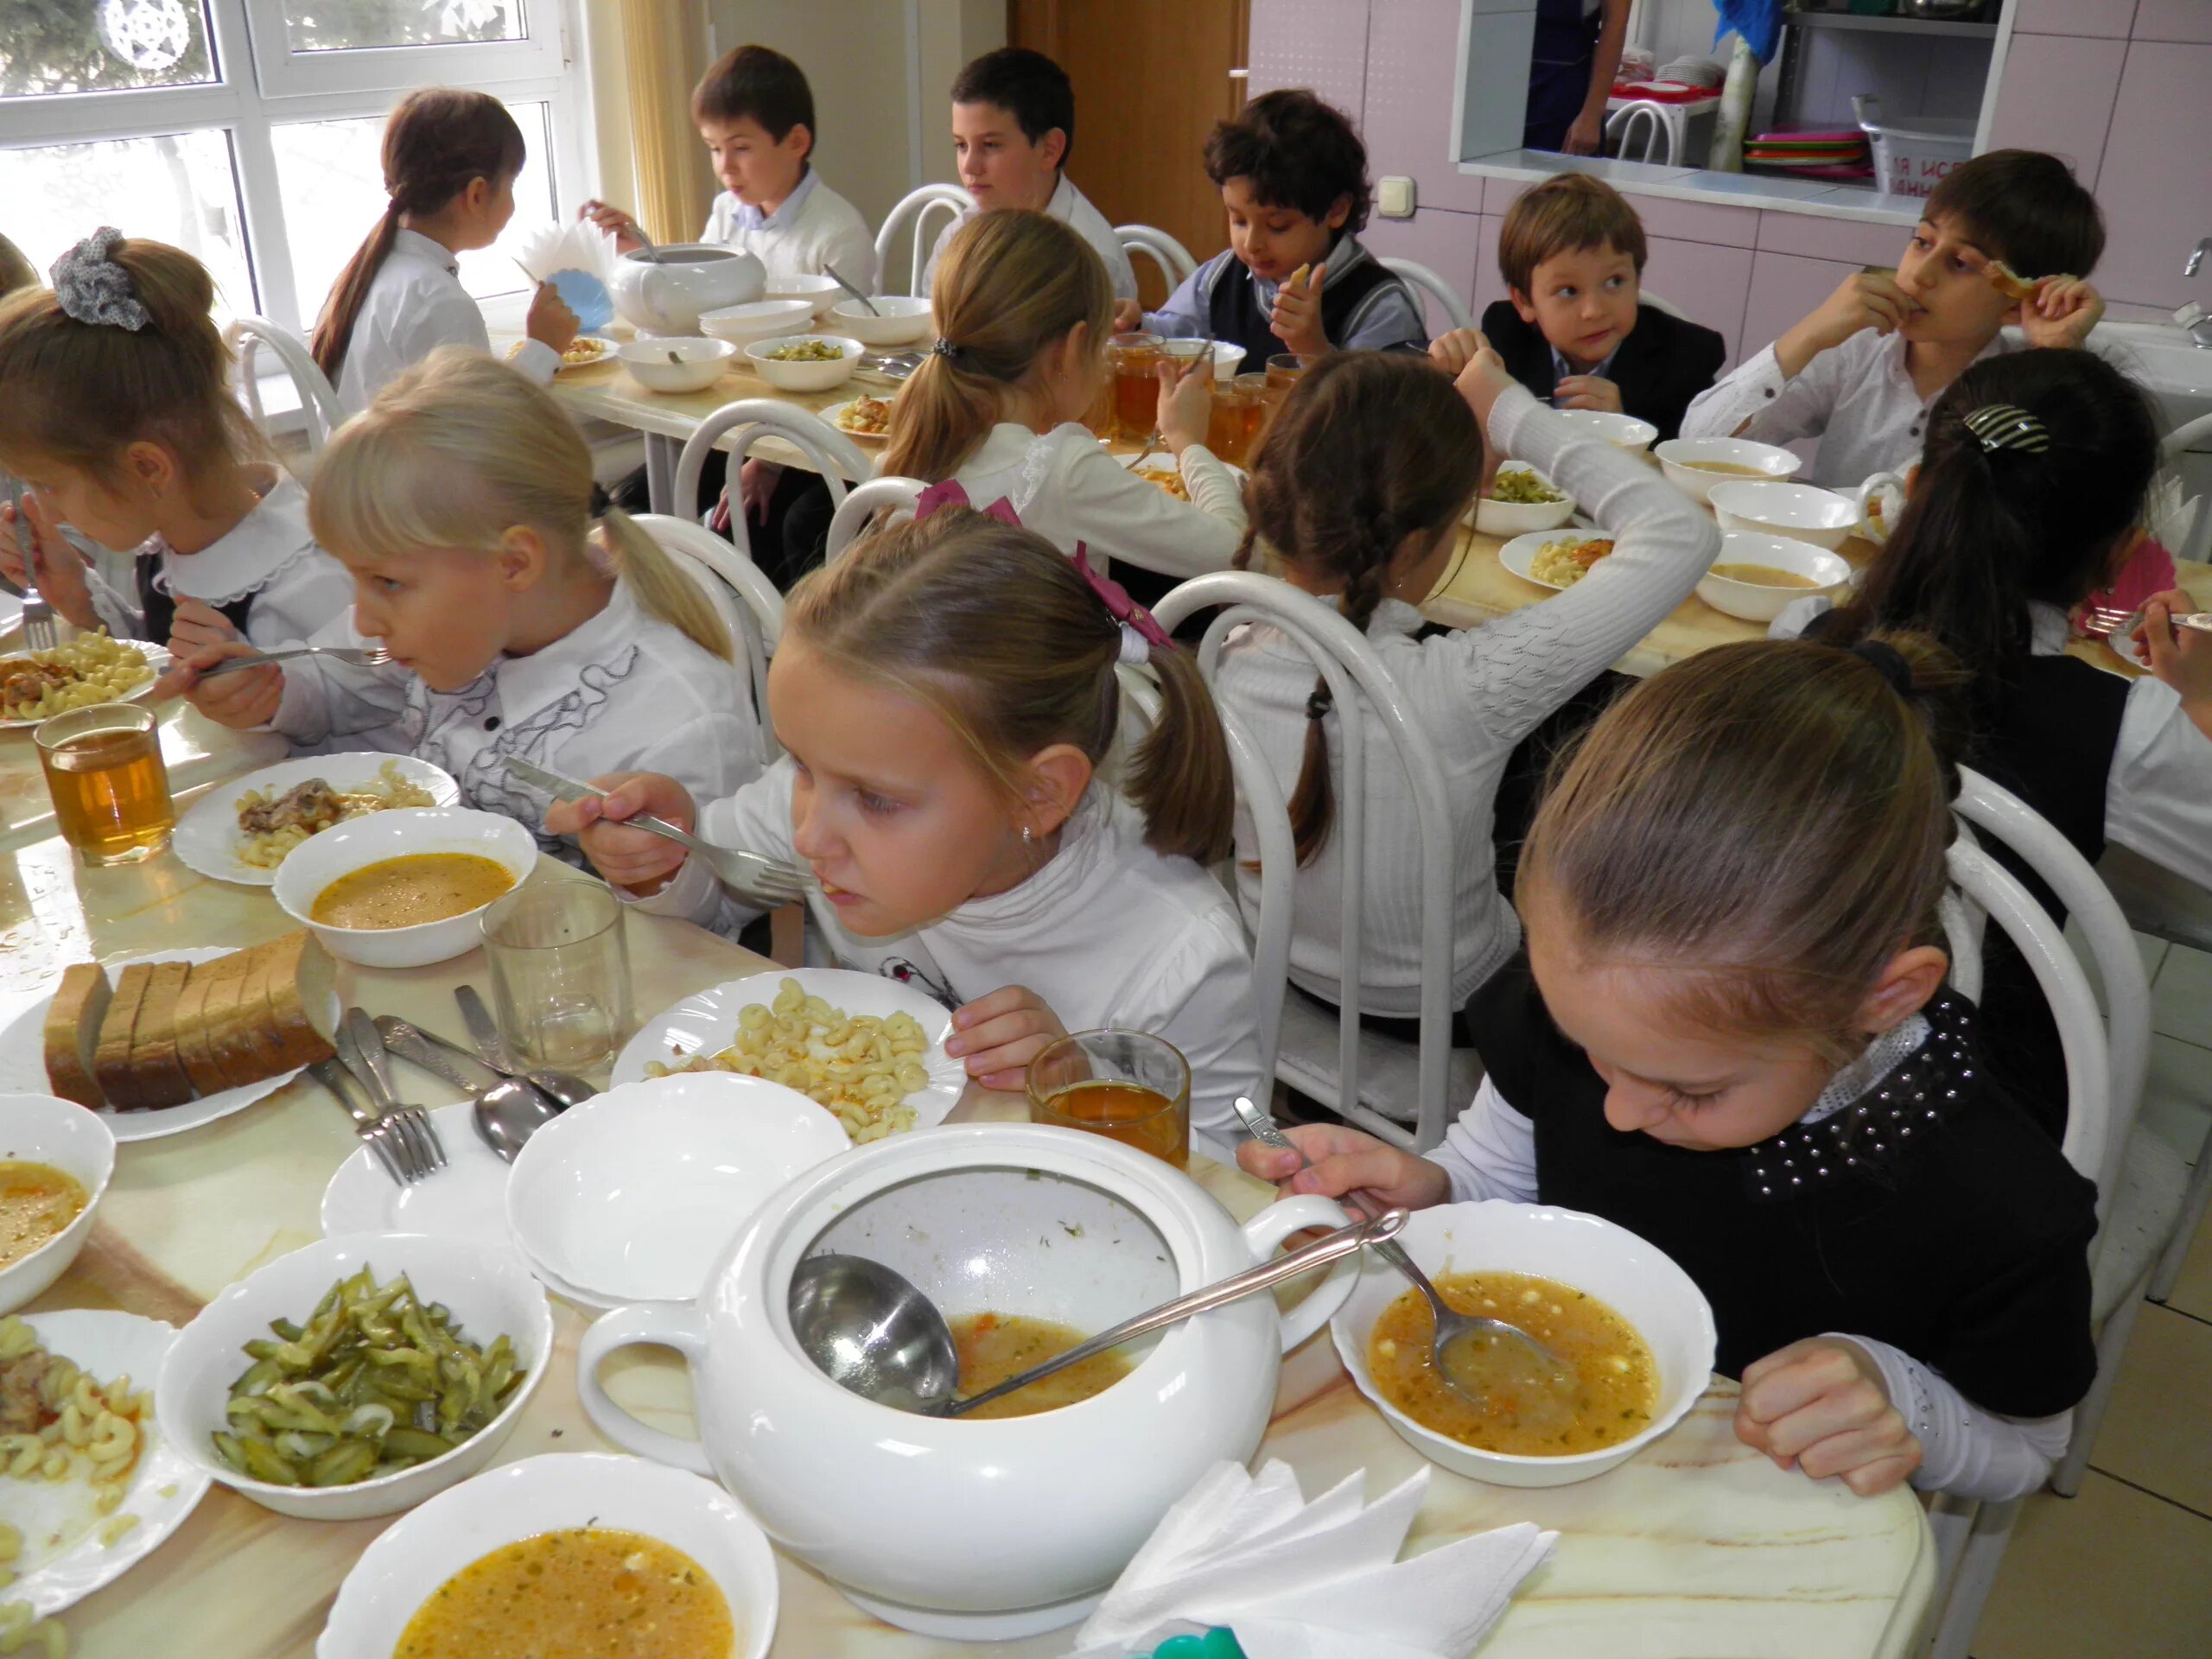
x=2161, y=356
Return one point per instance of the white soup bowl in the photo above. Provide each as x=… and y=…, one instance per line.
x=676, y=364
x=1625, y=430
x=1686, y=462
x=899, y=320
x=740, y=325
x=1758, y=601
x=1800, y=511
x=316, y=862
x=1508, y=518
x=47, y=1129
x=805, y=374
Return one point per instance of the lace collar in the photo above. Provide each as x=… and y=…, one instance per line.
x=249, y=555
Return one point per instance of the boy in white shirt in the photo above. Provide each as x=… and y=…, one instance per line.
x=2007, y=238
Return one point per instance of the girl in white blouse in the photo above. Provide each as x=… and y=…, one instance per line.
x=450, y=161
x=1023, y=311
x=119, y=414
x=947, y=690
x=461, y=504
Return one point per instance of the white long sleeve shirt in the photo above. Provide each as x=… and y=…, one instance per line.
x=414, y=304
x=812, y=228
x=1474, y=693
x=1108, y=932
x=1073, y=208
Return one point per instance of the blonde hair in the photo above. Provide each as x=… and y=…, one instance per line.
x=458, y=450
x=1011, y=283
x=1767, y=821
x=992, y=627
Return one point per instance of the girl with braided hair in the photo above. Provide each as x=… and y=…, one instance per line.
x=1357, y=493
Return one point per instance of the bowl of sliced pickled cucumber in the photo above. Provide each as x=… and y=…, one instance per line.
x=359, y=1375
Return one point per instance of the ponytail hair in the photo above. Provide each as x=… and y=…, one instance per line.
x=439, y=141
x=1368, y=449
x=459, y=449
x=1010, y=284
x=993, y=629
x=82, y=393
x=1987, y=530
x=1767, y=821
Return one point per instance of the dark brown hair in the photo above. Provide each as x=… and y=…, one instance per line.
x=754, y=82
x=438, y=142
x=1567, y=213
x=2026, y=208
x=1298, y=152
x=1029, y=86
x=1368, y=449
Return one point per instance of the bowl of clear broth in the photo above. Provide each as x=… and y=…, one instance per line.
x=1634, y=1331
x=56, y=1159
x=1757, y=575
x=1694, y=466
x=399, y=889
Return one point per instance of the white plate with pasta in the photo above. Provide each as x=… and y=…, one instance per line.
x=75, y=1537
x=704, y=1029
x=212, y=837
x=90, y=669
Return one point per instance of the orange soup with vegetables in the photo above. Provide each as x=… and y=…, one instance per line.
x=1614, y=1382
x=995, y=1346
x=1732, y=468
x=409, y=891
x=586, y=1593
x=1763, y=575
x=37, y=1204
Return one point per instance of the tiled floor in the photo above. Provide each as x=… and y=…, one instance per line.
x=2124, y=1569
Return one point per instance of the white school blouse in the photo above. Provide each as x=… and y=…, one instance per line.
x=1073, y=208
x=270, y=553
x=1476, y=693
x=414, y=304
x=812, y=228
x=624, y=692
x=1108, y=932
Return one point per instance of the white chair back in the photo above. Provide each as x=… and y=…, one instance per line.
x=1659, y=126
x=1446, y=297
x=828, y=451
x=862, y=504
x=1657, y=303
x=2182, y=523
x=318, y=402
x=741, y=592
x=1357, y=682
x=1172, y=256
x=911, y=215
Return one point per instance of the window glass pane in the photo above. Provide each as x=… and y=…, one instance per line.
x=331, y=177
x=177, y=187
x=101, y=45
x=345, y=25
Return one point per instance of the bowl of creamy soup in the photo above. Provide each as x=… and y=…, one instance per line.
x=55, y=1158
x=1632, y=1330
x=1757, y=574
x=401, y=888
x=1694, y=466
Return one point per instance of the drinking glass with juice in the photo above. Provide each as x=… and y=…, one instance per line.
x=1238, y=409
x=1127, y=1085
x=1132, y=360
x=111, y=789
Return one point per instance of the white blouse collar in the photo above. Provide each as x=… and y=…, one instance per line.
x=247, y=557
x=529, y=684
x=415, y=245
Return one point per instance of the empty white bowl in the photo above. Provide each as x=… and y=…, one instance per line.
x=490, y=1291
x=1800, y=511
x=1625, y=430
x=901, y=320
x=1228, y=361
x=677, y=365
x=1687, y=463
x=46, y=1130
x=632, y=1196
x=805, y=374
x=1505, y=518
x=1636, y=1279
x=820, y=292
x=740, y=325
x=316, y=862
x=1756, y=601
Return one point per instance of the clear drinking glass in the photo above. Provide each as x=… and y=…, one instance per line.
x=1127, y=1085
x=1131, y=359
x=110, y=785
x=560, y=972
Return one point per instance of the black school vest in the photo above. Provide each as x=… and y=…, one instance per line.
x=1235, y=314
x=161, y=608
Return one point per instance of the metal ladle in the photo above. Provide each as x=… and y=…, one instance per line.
x=871, y=1331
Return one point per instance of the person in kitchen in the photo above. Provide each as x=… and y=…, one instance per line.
x=1578, y=53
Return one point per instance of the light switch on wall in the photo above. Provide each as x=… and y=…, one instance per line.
x=1394, y=197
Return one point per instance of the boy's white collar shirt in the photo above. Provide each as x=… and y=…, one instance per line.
x=1073, y=208
x=748, y=217
x=414, y=304
x=812, y=228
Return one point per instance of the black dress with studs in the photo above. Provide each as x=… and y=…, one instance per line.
x=1931, y=1214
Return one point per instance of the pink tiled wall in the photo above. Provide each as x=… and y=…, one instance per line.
x=1317, y=43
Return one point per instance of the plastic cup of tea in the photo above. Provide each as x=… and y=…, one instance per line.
x=1127, y=1085
x=560, y=972
x=109, y=786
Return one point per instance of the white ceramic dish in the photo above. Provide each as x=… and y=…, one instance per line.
x=1881, y=501
x=903, y=320
x=817, y=375
x=678, y=363
x=1228, y=361
x=165, y=1487
x=405, y=832
x=664, y=293
x=22, y=1063
x=466, y=1200
x=1678, y=458
x=207, y=838
x=1625, y=430
x=490, y=1291
x=403, y=1568
x=1635, y=1278
x=634, y=1195
x=157, y=658
x=818, y=290
x=43, y=1128
x=1519, y=555
x=740, y=325
x=1515, y=517
x=705, y=1021
x=607, y=348
x=1756, y=601
x=834, y=413
x=1798, y=511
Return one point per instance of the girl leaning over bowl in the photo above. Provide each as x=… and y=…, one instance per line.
x=1730, y=1032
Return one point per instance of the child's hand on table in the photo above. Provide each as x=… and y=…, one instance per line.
x=1589, y=391
x=34, y=553
x=1345, y=1158
x=2062, y=314
x=551, y=322
x=997, y=1036
x=1821, y=1405
x=2180, y=657
x=1296, y=321
x=613, y=221
x=633, y=859
x=1185, y=407
x=1128, y=316
x=241, y=701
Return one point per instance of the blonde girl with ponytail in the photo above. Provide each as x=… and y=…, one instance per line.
x=946, y=692
x=461, y=504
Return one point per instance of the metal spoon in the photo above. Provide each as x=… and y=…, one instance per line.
x=492, y=1049
x=506, y=1115
x=831, y=271
x=653, y=248
x=873, y=1332
x=1460, y=1337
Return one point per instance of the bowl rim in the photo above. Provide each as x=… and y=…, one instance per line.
x=1842, y=504
x=1669, y=452
x=1791, y=546
x=755, y=307
x=921, y=301
x=753, y=348
x=1601, y=419
x=490, y=846
x=722, y=348
x=80, y=1223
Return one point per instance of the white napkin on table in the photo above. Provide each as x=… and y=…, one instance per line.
x=1318, y=1580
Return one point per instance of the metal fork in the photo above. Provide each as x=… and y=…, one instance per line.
x=380, y=1137
x=352, y=656
x=39, y=631
x=2121, y=624
x=411, y=1123
x=769, y=881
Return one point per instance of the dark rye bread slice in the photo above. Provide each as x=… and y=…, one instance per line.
x=229, y=1057
x=192, y=1048
x=255, y=1045
x=73, y=1033
x=112, y=1058
x=160, y=1074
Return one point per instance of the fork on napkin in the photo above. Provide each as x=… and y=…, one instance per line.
x=1319, y=1580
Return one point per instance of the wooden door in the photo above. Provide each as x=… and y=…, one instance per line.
x=1151, y=79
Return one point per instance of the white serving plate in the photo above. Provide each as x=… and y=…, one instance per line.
x=164, y=1488
x=207, y=838
x=22, y=1062
x=157, y=658
x=467, y=1199
x=835, y=411
x=1519, y=555
x=608, y=348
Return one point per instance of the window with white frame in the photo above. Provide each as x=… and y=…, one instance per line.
x=248, y=131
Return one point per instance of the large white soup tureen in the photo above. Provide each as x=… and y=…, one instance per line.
x=666, y=296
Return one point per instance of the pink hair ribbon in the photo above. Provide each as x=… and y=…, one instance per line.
x=1120, y=606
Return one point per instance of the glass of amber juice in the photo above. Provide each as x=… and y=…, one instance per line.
x=1134, y=361
x=1234, y=428
x=1126, y=1085
x=111, y=789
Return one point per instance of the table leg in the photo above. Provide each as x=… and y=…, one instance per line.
x=660, y=473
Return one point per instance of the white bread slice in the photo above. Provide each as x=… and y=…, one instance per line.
x=161, y=1074
x=299, y=981
x=226, y=1057
x=72, y=1033
x=112, y=1058
x=191, y=1050
x=253, y=1033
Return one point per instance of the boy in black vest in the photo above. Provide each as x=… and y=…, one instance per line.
x=1292, y=176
